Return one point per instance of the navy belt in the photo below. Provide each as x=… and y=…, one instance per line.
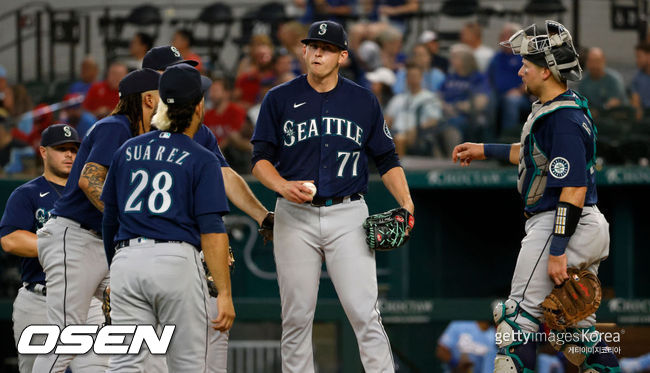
x=36, y=288
x=127, y=243
x=82, y=226
x=320, y=201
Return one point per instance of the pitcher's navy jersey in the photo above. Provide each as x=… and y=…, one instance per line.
x=98, y=146
x=160, y=182
x=325, y=137
x=28, y=208
x=567, y=137
x=206, y=138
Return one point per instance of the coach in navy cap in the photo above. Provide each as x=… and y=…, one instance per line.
x=328, y=32
x=159, y=58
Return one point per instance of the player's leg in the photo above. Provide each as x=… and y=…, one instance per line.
x=75, y=264
x=178, y=287
x=29, y=309
x=351, y=266
x=217, y=342
x=129, y=306
x=88, y=362
x=298, y=259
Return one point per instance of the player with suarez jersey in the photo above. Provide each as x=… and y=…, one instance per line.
x=564, y=228
x=321, y=127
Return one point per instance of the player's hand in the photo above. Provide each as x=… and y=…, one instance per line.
x=557, y=268
x=226, y=315
x=295, y=192
x=467, y=152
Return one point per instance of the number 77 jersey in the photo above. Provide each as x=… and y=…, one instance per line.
x=325, y=137
x=160, y=182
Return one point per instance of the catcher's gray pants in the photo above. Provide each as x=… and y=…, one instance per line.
x=75, y=268
x=161, y=283
x=30, y=308
x=531, y=284
x=304, y=236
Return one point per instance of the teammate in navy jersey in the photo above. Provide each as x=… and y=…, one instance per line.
x=557, y=182
x=164, y=199
x=27, y=210
x=237, y=191
x=322, y=127
x=70, y=244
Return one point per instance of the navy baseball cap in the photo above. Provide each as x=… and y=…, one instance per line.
x=328, y=32
x=182, y=84
x=58, y=134
x=159, y=58
x=139, y=81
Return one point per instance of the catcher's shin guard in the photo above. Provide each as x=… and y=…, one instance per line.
x=577, y=344
x=517, y=350
x=601, y=360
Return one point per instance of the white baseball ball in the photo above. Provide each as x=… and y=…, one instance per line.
x=311, y=187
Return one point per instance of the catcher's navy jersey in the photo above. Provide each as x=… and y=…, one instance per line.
x=206, y=138
x=568, y=139
x=325, y=137
x=98, y=146
x=28, y=208
x=160, y=182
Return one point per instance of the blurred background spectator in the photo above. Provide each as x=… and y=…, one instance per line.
x=183, y=40
x=430, y=40
x=12, y=151
x=602, y=86
x=255, y=67
x=102, y=97
x=289, y=35
x=75, y=116
x=381, y=84
x=395, y=12
x=138, y=47
x=640, y=86
x=6, y=94
x=432, y=77
x=320, y=10
x=390, y=44
x=224, y=116
x=471, y=35
x=467, y=346
x=87, y=76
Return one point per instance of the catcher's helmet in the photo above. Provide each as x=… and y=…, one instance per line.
x=553, y=50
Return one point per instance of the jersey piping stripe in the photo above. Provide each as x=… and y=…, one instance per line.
x=390, y=350
x=205, y=309
x=523, y=296
x=65, y=289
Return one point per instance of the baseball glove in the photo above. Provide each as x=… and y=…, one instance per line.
x=106, y=306
x=212, y=288
x=266, y=230
x=574, y=300
x=388, y=230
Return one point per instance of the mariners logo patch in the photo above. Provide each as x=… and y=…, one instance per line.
x=559, y=167
x=322, y=29
x=176, y=52
x=387, y=131
x=66, y=131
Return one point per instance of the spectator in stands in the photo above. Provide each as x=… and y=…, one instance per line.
x=381, y=83
x=183, y=40
x=87, y=76
x=430, y=40
x=468, y=346
x=12, y=150
x=511, y=99
x=321, y=10
x=6, y=94
x=225, y=116
x=258, y=65
x=640, y=86
x=602, y=86
x=75, y=116
x=471, y=35
x=414, y=115
x=139, y=46
x=466, y=95
x=282, y=64
x=390, y=42
x=103, y=96
x=395, y=12
x=31, y=125
x=432, y=78
x=635, y=364
x=290, y=35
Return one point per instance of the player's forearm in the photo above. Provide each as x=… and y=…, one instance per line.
x=514, y=153
x=21, y=242
x=574, y=195
x=215, y=251
x=266, y=173
x=241, y=195
x=395, y=182
x=91, y=183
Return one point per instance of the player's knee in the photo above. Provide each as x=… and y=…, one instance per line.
x=516, y=359
x=517, y=348
x=601, y=360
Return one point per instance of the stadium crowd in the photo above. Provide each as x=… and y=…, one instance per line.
x=433, y=97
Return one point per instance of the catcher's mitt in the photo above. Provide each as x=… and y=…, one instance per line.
x=574, y=300
x=266, y=230
x=388, y=230
x=212, y=288
x=106, y=306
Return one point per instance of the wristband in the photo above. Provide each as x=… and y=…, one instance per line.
x=567, y=217
x=497, y=151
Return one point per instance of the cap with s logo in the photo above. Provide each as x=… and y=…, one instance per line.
x=328, y=32
x=159, y=58
x=58, y=134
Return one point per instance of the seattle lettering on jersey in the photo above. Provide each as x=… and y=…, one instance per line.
x=294, y=133
x=161, y=153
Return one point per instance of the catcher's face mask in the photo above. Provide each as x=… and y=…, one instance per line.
x=544, y=49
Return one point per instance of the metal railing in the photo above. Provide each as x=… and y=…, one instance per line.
x=254, y=357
